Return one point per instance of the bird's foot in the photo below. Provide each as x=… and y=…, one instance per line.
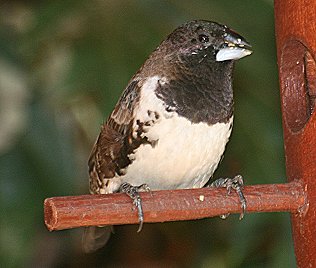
x=230, y=184
x=133, y=193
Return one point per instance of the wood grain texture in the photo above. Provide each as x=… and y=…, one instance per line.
x=296, y=47
x=173, y=205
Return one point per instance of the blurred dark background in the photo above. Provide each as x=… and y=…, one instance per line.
x=63, y=65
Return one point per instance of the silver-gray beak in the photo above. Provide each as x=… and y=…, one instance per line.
x=235, y=47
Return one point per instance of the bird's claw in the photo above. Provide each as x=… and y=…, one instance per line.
x=133, y=193
x=230, y=184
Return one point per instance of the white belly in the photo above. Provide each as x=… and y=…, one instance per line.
x=185, y=154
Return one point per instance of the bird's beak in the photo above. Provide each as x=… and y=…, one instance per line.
x=235, y=47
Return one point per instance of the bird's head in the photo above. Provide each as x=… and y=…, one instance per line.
x=199, y=39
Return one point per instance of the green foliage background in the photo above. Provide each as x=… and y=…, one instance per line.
x=63, y=65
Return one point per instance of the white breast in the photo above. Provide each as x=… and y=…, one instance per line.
x=185, y=154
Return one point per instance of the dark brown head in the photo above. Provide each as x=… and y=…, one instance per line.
x=197, y=61
x=199, y=39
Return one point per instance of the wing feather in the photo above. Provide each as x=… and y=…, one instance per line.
x=109, y=154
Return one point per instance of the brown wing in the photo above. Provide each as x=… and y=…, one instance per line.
x=109, y=154
x=121, y=117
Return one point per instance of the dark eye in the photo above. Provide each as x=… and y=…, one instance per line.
x=203, y=38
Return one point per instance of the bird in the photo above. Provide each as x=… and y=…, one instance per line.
x=170, y=127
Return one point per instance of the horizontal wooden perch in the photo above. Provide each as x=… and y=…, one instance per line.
x=173, y=205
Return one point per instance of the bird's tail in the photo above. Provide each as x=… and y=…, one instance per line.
x=95, y=237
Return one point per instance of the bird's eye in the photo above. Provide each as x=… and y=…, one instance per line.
x=203, y=38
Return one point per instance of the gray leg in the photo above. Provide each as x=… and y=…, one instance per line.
x=235, y=184
x=133, y=192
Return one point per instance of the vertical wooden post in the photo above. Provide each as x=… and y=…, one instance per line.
x=296, y=48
